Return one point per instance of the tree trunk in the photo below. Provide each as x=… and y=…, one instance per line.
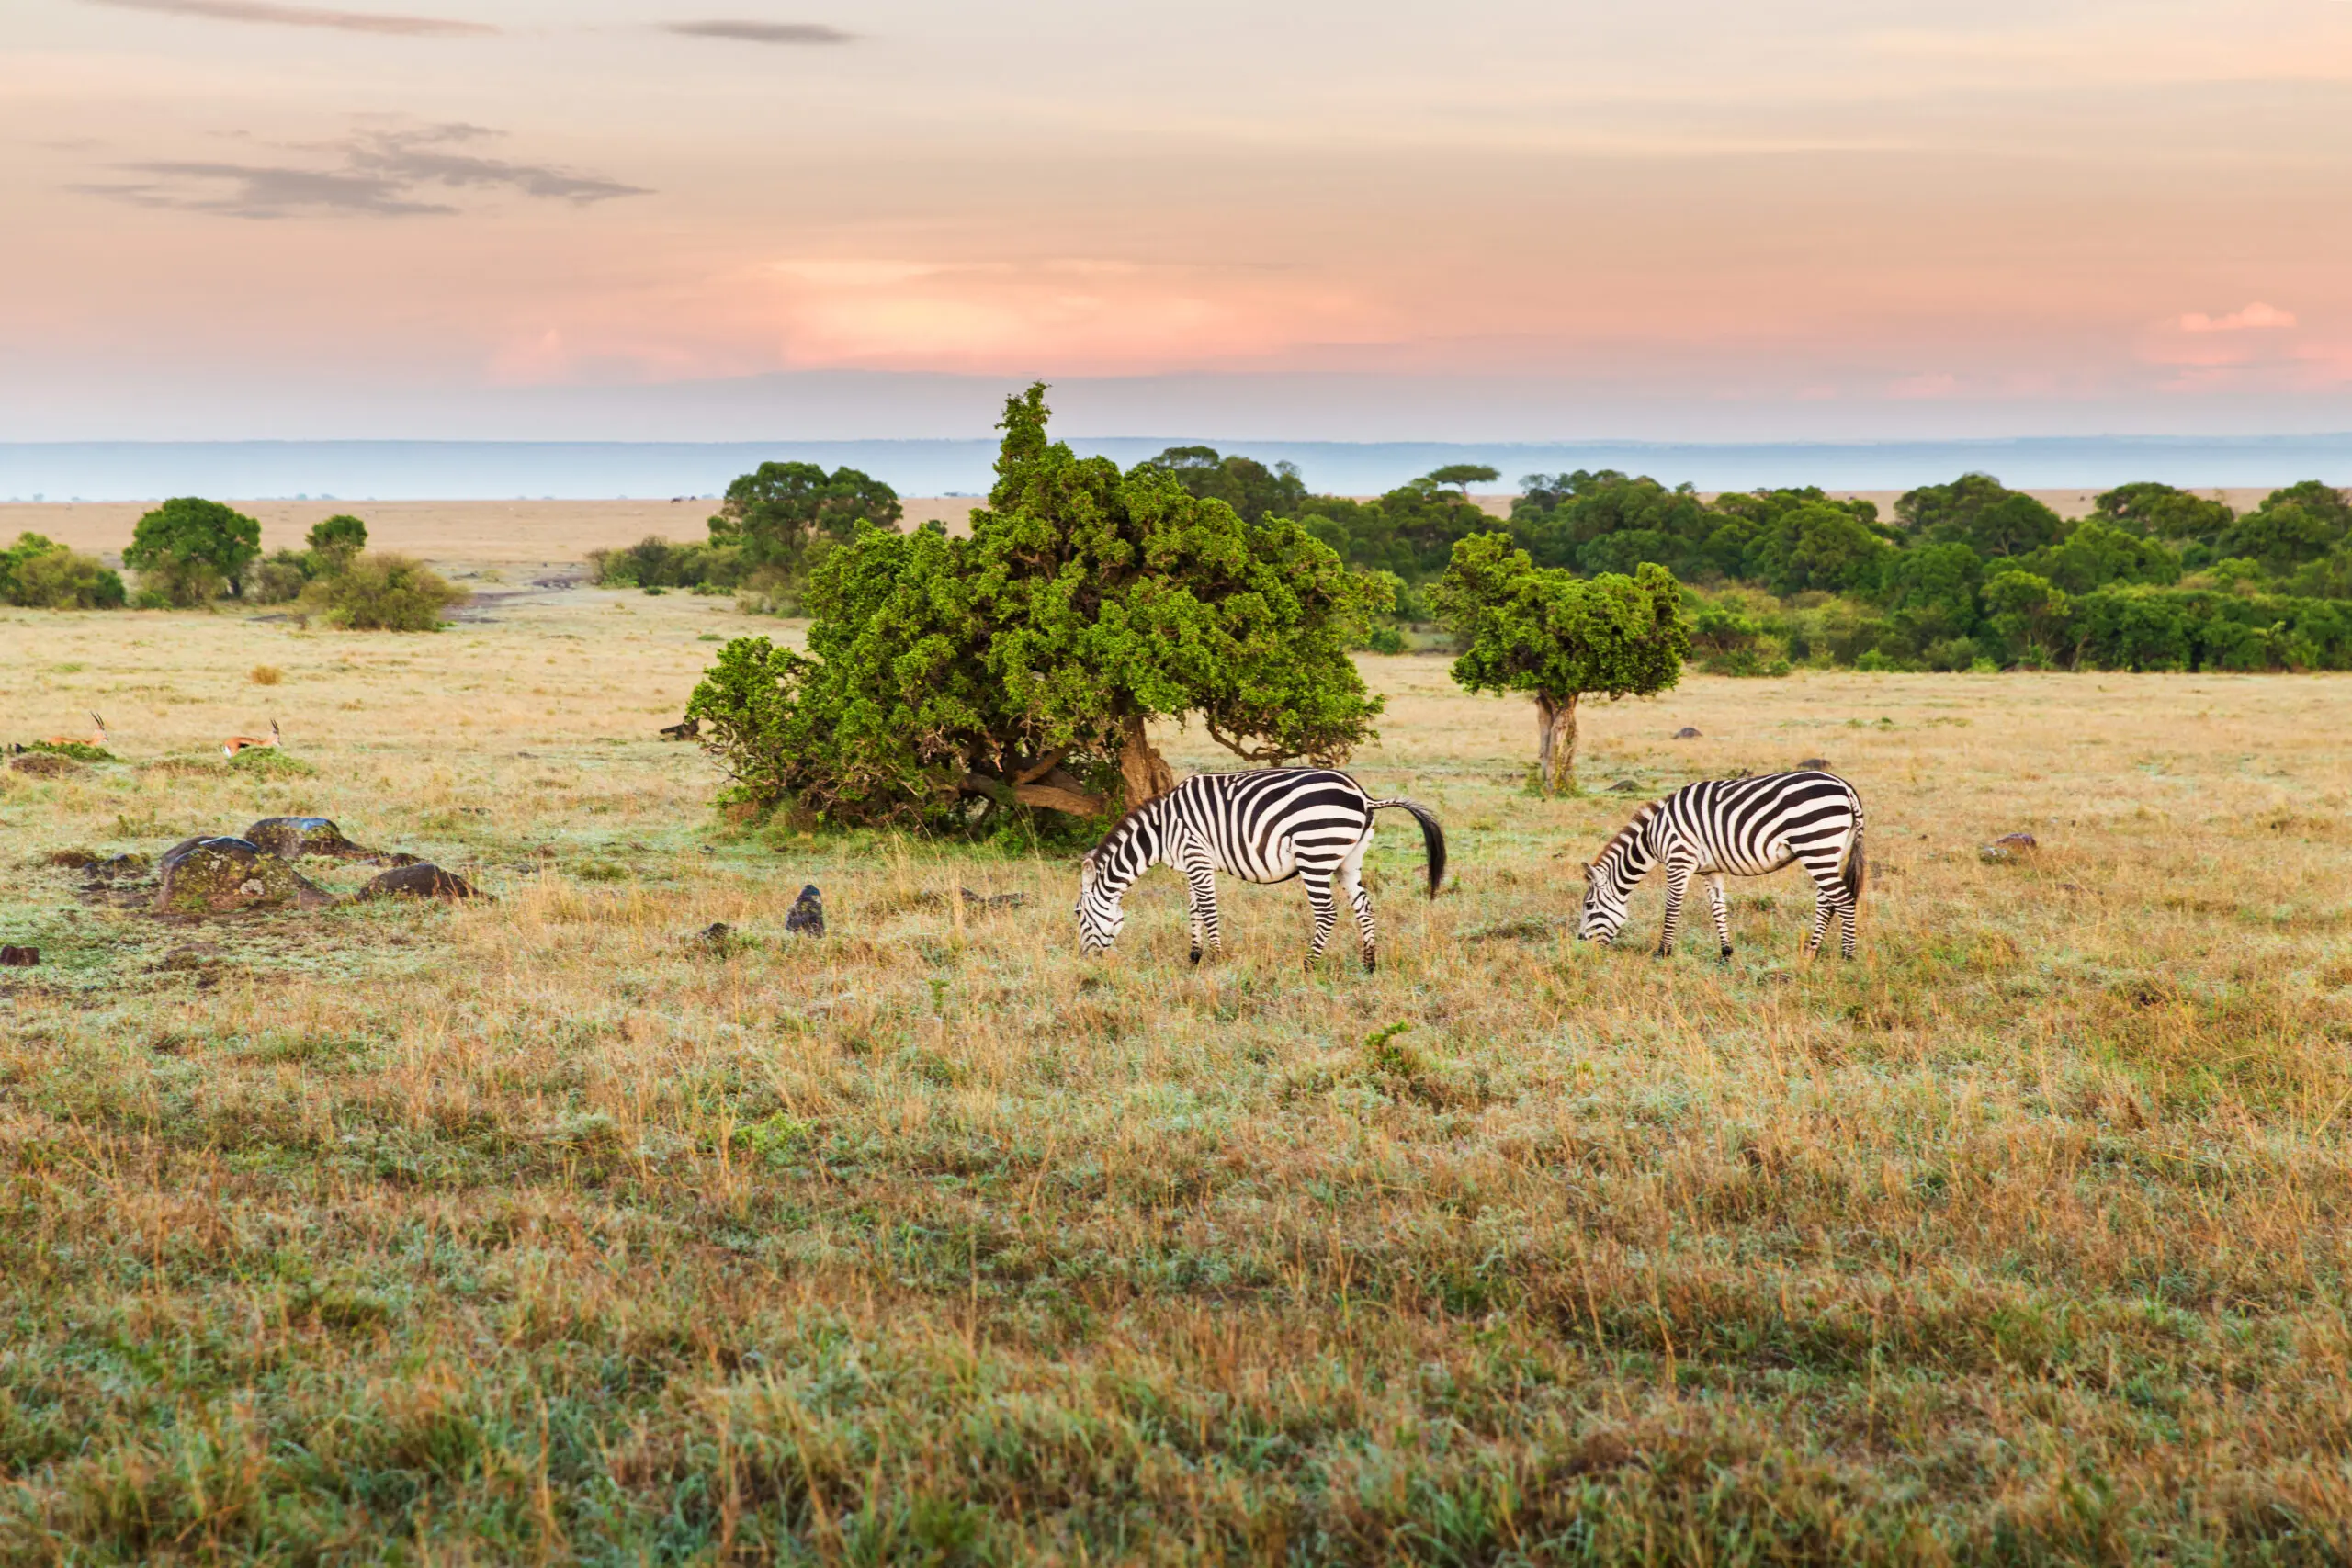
x=1555, y=743
x=1145, y=771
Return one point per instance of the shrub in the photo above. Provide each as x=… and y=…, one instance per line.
x=1385, y=639
x=279, y=580
x=654, y=562
x=44, y=575
x=382, y=592
x=264, y=676
x=188, y=549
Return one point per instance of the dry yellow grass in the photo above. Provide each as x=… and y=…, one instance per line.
x=540, y=1229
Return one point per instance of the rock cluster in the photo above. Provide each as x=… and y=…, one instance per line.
x=220, y=876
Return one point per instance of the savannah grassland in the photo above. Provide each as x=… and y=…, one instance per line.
x=538, y=1231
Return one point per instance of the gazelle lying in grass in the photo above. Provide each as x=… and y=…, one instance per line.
x=97, y=739
x=236, y=743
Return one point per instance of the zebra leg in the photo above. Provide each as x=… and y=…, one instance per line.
x=1826, y=898
x=1678, y=885
x=1360, y=899
x=1200, y=879
x=1723, y=916
x=1327, y=913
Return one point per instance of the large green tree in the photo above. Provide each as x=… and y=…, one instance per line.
x=1247, y=485
x=1980, y=512
x=192, y=549
x=778, y=510
x=1022, y=666
x=2163, y=512
x=1558, y=637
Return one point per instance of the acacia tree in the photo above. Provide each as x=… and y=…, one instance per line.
x=1022, y=666
x=192, y=547
x=1557, y=637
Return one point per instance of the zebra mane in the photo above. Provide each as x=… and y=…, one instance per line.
x=1120, y=830
x=1626, y=834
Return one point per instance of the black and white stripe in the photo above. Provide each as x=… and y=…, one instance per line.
x=1265, y=826
x=1744, y=827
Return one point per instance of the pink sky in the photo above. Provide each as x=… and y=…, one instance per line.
x=1689, y=220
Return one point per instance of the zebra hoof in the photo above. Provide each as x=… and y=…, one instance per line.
x=1196, y=957
x=1723, y=957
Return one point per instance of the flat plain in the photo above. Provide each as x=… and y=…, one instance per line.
x=547, y=1229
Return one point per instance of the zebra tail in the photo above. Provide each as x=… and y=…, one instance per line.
x=1432, y=836
x=1856, y=870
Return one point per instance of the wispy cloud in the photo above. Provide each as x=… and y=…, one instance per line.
x=271, y=14
x=2256, y=317
x=381, y=174
x=761, y=32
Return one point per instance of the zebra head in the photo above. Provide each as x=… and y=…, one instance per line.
x=1609, y=880
x=1099, y=916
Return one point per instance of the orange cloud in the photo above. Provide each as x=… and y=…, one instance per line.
x=2256, y=317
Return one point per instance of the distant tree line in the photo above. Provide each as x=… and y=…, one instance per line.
x=190, y=552
x=1966, y=575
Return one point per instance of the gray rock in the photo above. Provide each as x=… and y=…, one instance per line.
x=1686, y=733
x=292, y=838
x=808, y=915
x=421, y=880
x=220, y=876
x=1626, y=787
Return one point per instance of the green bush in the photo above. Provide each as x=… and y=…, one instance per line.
x=278, y=579
x=41, y=574
x=382, y=592
x=654, y=562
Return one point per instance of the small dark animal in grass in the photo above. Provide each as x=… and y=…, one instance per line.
x=1815, y=762
x=14, y=957
x=2008, y=846
x=1686, y=733
x=1747, y=827
x=808, y=916
x=685, y=729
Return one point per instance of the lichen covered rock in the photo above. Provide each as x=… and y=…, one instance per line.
x=220, y=876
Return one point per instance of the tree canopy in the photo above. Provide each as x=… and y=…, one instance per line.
x=1254, y=491
x=1557, y=638
x=193, y=548
x=334, y=540
x=1462, y=476
x=1021, y=666
x=778, y=510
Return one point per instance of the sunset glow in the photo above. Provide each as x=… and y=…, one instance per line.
x=1819, y=218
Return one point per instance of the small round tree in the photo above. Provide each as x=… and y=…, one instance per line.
x=333, y=542
x=1556, y=636
x=193, y=548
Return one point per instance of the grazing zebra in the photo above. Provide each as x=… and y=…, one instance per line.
x=1268, y=825
x=1746, y=827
